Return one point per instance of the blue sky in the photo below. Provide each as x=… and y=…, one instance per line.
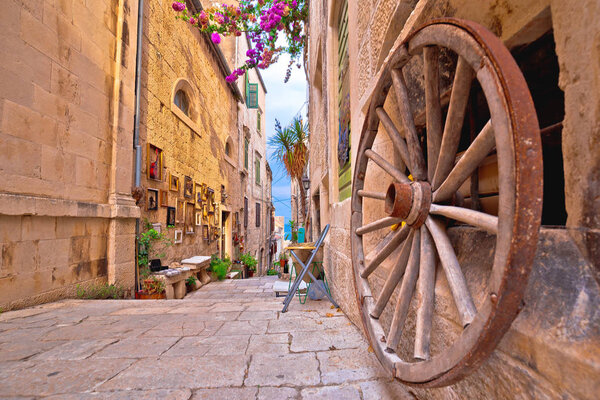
x=283, y=101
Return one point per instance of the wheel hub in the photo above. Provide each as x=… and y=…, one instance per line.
x=409, y=202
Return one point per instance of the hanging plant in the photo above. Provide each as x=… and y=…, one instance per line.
x=264, y=21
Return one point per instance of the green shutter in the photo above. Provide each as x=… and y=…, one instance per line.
x=345, y=170
x=252, y=98
x=246, y=145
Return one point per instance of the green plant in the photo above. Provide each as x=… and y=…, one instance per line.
x=153, y=285
x=272, y=271
x=283, y=256
x=102, y=291
x=191, y=280
x=148, y=242
x=248, y=260
x=219, y=266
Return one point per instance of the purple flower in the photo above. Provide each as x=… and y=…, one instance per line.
x=215, y=38
x=192, y=21
x=231, y=78
x=177, y=6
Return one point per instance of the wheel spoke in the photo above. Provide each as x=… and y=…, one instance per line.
x=425, y=296
x=385, y=248
x=478, y=150
x=394, y=135
x=387, y=167
x=394, y=277
x=433, y=107
x=476, y=218
x=454, y=121
x=379, y=224
x=417, y=162
x=406, y=293
x=456, y=279
x=371, y=195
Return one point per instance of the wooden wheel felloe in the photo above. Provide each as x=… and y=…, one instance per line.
x=428, y=202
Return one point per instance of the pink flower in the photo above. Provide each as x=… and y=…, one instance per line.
x=231, y=78
x=215, y=38
x=192, y=21
x=177, y=6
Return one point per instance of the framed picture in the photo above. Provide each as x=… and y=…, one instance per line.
x=205, y=210
x=198, y=218
x=157, y=227
x=154, y=163
x=188, y=188
x=178, y=236
x=164, y=198
x=152, y=200
x=190, y=212
x=179, y=211
x=170, y=217
x=173, y=182
x=198, y=191
x=205, y=232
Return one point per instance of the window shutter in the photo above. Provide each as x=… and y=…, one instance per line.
x=257, y=171
x=252, y=98
x=245, y=212
x=257, y=214
x=246, y=145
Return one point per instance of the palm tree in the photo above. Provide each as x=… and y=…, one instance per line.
x=290, y=148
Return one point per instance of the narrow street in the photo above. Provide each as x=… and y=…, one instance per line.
x=228, y=340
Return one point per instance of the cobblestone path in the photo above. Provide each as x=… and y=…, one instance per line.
x=228, y=340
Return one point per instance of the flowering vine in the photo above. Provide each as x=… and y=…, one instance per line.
x=263, y=21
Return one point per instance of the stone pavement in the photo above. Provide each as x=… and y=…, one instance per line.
x=228, y=340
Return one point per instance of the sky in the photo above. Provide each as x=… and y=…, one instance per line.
x=283, y=101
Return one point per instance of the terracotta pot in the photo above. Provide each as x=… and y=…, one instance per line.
x=154, y=296
x=250, y=273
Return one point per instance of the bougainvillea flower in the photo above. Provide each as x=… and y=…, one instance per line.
x=215, y=38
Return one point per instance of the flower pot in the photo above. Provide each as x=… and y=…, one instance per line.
x=154, y=296
x=250, y=273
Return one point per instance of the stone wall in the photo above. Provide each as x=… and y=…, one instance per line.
x=66, y=117
x=194, y=146
x=551, y=351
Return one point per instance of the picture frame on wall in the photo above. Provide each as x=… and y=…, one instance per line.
x=164, y=198
x=205, y=232
x=157, y=227
x=188, y=187
x=154, y=163
x=198, y=218
x=190, y=212
x=152, y=200
x=179, y=216
x=178, y=236
x=173, y=183
x=198, y=190
x=170, y=217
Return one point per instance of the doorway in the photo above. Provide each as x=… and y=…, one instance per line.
x=225, y=234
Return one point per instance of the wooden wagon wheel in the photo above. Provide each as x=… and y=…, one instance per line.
x=427, y=203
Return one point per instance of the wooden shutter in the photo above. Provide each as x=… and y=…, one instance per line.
x=252, y=98
x=246, y=145
x=344, y=165
x=245, y=212
x=257, y=214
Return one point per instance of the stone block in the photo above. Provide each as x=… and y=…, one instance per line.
x=65, y=84
x=35, y=228
x=277, y=393
x=225, y=394
x=38, y=35
x=343, y=366
x=53, y=253
x=331, y=392
x=21, y=157
x=137, y=347
x=10, y=228
x=277, y=370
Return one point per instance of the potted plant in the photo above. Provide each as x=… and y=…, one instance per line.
x=152, y=289
x=190, y=283
x=150, y=243
x=219, y=267
x=283, y=261
x=250, y=262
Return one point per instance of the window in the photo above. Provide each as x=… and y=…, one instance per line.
x=252, y=98
x=246, y=146
x=257, y=214
x=245, y=212
x=182, y=102
x=258, y=118
x=228, y=149
x=257, y=169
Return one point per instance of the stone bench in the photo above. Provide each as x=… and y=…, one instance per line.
x=174, y=280
x=198, y=265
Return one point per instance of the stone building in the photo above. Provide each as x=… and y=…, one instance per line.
x=189, y=137
x=256, y=176
x=552, y=349
x=66, y=110
x=73, y=158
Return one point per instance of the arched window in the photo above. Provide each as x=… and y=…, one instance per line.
x=182, y=102
x=228, y=149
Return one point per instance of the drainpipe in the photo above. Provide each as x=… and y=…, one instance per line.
x=136, y=123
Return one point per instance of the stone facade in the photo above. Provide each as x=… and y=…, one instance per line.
x=193, y=144
x=559, y=324
x=66, y=112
